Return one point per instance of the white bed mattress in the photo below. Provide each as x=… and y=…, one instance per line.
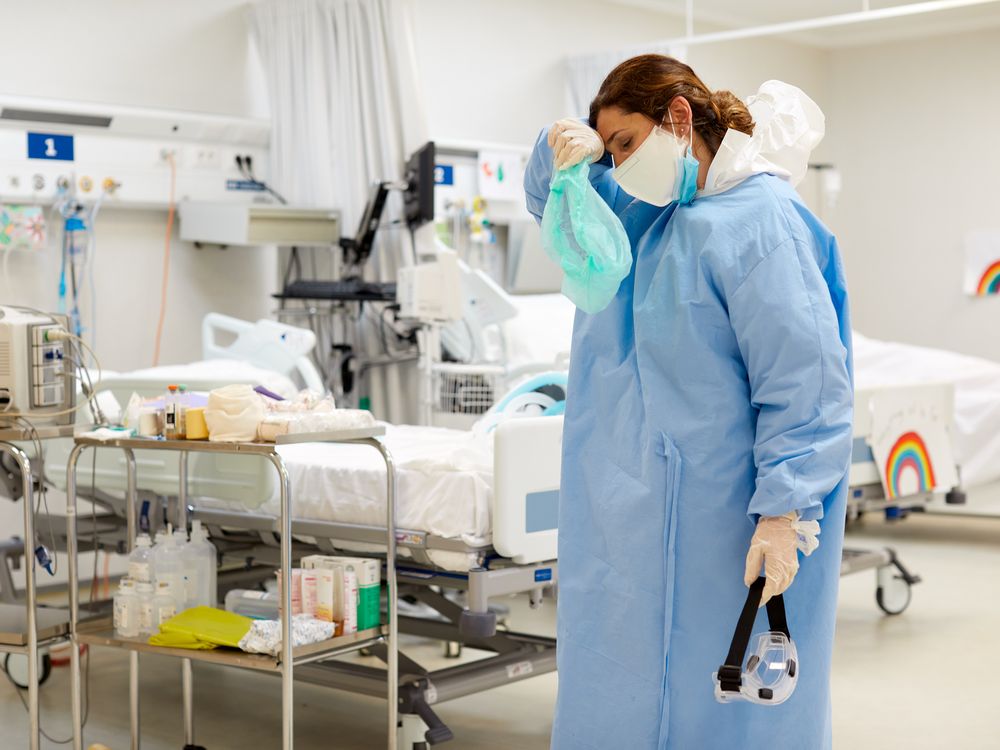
x=977, y=396
x=444, y=485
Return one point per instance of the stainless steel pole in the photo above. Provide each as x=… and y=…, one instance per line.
x=187, y=678
x=24, y=464
x=182, y=491
x=133, y=657
x=187, y=693
x=74, y=596
x=392, y=662
x=287, y=677
x=130, y=511
x=133, y=699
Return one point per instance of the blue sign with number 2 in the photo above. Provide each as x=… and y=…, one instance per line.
x=50, y=146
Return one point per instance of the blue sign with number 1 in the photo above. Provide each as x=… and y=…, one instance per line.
x=50, y=146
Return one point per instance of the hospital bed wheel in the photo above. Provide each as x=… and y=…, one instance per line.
x=452, y=650
x=894, y=597
x=16, y=667
x=955, y=496
x=477, y=624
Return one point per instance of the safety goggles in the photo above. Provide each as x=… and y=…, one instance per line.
x=771, y=670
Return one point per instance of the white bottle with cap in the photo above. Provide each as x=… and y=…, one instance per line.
x=189, y=582
x=164, y=603
x=203, y=555
x=126, y=609
x=140, y=561
x=168, y=565
x=147, y=613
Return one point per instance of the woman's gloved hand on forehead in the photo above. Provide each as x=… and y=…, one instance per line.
x=571, y=142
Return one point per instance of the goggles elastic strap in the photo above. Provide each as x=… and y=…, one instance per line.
x=730, y=673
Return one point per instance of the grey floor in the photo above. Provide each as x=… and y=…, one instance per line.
x=925, y=679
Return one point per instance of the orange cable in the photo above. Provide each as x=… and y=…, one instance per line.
x=166, y=260
x=107, y=576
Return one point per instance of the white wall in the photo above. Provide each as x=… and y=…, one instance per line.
x=495, y=71
x=185, y=55
x=912, y=127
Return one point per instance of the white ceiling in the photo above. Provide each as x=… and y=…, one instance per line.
x=716, y=15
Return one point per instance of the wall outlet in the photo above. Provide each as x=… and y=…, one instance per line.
x=167, y=152
x=204, y=157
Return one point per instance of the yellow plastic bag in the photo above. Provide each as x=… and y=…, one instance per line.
x=180, y=640
x=206, y=625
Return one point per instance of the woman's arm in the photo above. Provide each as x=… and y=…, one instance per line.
x=789, y=335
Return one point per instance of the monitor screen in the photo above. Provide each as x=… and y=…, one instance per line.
x=418, y=199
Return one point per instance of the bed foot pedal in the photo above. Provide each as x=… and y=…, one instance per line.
x=477, y=624
x=413, y=701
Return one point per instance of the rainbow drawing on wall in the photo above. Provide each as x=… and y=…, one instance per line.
x=909, y=454
x=989, y=282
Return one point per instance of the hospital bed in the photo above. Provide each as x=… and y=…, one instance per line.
x=867, y=493
x=476, y=522
x=476, y=515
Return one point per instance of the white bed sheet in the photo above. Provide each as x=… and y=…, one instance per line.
x=444, y=485
x=208, y=370
x=977, y=396
x=541, y=330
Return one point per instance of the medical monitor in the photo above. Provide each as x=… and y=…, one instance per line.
x=418, y=197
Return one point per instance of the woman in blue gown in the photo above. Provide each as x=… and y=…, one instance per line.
x=709, y=414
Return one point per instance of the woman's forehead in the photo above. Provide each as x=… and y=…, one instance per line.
x=610, y=120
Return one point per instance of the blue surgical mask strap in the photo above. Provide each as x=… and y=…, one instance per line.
x=687, y=168
x=673, y=131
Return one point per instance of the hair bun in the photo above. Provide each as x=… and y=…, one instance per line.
x=731, y=111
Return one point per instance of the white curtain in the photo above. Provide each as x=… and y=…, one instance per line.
x=346, y=112
x=344, y=95
x=584, y=74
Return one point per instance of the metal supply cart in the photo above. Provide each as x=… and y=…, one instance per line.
x=23, y=628
x=102, y=633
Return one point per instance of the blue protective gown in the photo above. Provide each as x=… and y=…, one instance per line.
x=715, y=388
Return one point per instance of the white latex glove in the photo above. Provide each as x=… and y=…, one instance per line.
x=775, y=545
x=571, y=142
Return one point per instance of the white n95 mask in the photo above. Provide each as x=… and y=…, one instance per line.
x=660, y=171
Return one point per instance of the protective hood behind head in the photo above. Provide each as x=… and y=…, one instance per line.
x=788, y=125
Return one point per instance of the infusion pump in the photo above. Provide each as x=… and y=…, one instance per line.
x=36, y=368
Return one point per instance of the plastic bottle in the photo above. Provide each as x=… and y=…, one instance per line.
x=168, y=565
x=140, y=562
x=189, y=568
x=164, y=603
x=170, y=413
x=126, y=608
x=147, y=612
x=257, y=605
x=182, y=405
x=205, y=558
